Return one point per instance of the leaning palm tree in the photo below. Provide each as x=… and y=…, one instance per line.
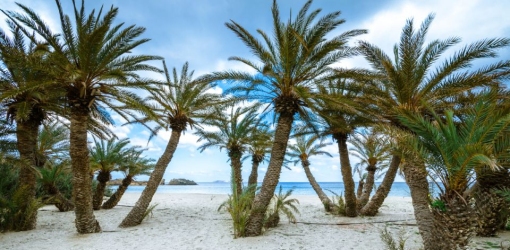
x=373, y=151
x=410, y=82
x=179, y=104
x=93, y=68
x=133, y=165
x=234, y=134
x=452, y=152
x=258, y=148
x=106, y=157
x=289, y=61
x=301, y=151
x=25, y=101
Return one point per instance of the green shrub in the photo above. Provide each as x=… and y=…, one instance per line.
x=392, y=243
x=239, y=208
x=338, y=203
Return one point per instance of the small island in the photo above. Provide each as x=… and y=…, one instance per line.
x=181, y=182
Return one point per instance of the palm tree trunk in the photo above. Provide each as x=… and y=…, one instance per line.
x=416, y=179
x=26, y=133
x=372, y=207
x=82, y=180
x=491, y=207
x=252, y=180
x=115, y=198
x=359, y=191
x=456, y=224
x=102, y=179
x=62, y=203
x=236, y=165
x=317, y=188
x=345, y=166
x=136, y=214
x=367, y=190
x=272, y=176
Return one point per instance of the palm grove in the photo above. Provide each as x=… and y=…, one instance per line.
x=436, y=119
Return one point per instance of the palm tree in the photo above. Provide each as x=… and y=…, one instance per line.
x=373, y=151
x=234, y=134
x=301, y=151
x=134, y=164
x=409, y=82
x=24, y=101
x=258, y=147
x=52, y=160
x=179, y=104
x=105, y=157
x=290, y=61
x=340, y=121
x=50, y=175
x=492, y=209
x=393, y=136
x=452, y=152
x=92, y=67
x=52, y=143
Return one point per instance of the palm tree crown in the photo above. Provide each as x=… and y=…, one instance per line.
x=305, y=147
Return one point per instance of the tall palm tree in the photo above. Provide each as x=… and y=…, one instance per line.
x=92, y=66
x=25, y=101
x=301, y=151
x=258, y=148
x=178, y=104
x=289, y=61
x=415, y=82
x=373, y=151
x=106, y=157
x=341, y=122
x=234, y=134
x=451, y=152
x=133, y=165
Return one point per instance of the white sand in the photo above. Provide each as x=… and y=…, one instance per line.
x=191, y=221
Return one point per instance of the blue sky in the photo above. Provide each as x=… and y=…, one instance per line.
x=195, y=31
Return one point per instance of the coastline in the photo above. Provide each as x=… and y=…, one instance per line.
x=191, y=221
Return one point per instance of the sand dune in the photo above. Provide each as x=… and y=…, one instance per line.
x=191, y=221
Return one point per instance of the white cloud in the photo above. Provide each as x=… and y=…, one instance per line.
x=334, y=167
x=224, y=65
x=121, y=131
x=215, y=90
x=452, y=19
x=296, y=169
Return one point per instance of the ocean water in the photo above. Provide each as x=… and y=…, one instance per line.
x=399, y=189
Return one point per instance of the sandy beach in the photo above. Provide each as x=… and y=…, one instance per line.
x=191, y=221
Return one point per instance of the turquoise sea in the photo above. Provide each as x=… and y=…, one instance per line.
x=399, y=189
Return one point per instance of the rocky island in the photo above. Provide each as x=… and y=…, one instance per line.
x=181, y=182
